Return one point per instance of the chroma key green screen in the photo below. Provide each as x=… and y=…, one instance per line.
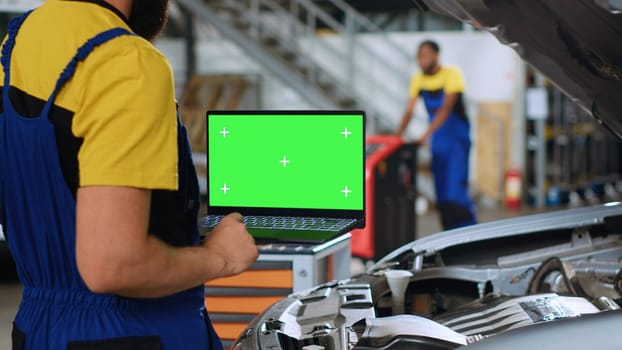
x=300, y=161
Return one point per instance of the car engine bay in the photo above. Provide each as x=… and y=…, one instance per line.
x=455, y=297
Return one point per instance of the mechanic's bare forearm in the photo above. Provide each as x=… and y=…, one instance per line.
x=115, y=254
x=405, y=120
x=158, y=270
x=406, y=116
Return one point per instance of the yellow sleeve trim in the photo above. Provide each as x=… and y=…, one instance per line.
x=415, y=85
x=454, y=81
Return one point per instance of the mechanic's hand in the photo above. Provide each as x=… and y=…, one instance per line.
x=232, y=242
x=423, y=141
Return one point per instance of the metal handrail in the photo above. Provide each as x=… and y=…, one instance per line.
x=256, y=26
x=319, y=14
x=199, y=8
x=349, y=10
x=292, y=45
x=315, y=13
x=296, y=32
x=367, y=24
x=352, y=13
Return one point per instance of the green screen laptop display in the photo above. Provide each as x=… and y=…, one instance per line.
x=290, y=162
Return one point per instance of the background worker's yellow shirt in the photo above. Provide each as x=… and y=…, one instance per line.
x=448, y=78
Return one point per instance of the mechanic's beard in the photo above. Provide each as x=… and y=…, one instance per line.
x=148, y=17
x=430, y=69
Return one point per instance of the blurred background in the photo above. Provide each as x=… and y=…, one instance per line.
x=533, y=149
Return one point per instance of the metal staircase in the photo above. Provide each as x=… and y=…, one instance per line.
x=292, y=38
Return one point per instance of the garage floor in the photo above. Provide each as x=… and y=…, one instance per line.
x=10, y=290
x=10, y=294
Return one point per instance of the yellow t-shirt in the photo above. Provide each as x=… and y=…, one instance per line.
x=448, y=78
x=117, y=115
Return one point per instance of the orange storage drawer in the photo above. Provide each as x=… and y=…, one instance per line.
x=257, y=279
x=239, y=304
x=229, y=331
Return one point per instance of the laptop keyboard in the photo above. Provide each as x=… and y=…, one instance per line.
x=287, y=223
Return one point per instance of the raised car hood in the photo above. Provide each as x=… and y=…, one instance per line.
x=576, y=44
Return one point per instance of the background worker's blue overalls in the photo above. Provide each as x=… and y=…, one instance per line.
x=38, y=213
x=450, y=146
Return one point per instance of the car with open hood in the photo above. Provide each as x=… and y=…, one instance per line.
x=550, y=280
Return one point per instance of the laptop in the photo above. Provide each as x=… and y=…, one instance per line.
x=295, y=176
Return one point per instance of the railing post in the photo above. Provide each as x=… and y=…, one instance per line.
x=255, y=19
x=294, y=11
x=350, y=37
x=311, y=29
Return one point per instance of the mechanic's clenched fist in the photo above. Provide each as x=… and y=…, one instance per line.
x=232, y=242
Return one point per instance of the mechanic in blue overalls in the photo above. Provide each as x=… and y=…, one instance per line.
x=442, y=88
x=98, y=194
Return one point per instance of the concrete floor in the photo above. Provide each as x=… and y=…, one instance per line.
x=10, y=290
x=10, y=294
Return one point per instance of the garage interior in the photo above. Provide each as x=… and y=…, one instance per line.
x=534, y=150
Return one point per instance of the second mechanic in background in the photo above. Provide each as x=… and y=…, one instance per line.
x=442, y=88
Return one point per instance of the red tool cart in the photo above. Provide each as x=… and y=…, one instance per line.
x=390, y=185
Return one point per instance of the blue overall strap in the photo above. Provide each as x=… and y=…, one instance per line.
x=7, y=50
x=82, y=53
